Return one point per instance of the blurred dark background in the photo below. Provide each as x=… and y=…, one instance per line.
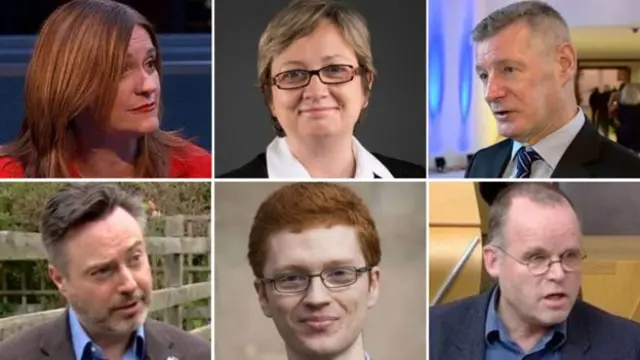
x=184, y=28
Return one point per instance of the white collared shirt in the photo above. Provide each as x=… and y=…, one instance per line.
x=551, y=149
x=281, y=164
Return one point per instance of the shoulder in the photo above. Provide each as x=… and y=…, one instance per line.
x=190, y=161
x=254, y=169
x=26, y=344
x=491, y=150
x=615, y=152
x=10, y=168
x=401, y=168
x=184, y=341
x=455, y=309
x=602, y=321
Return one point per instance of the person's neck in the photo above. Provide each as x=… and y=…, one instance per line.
x=325, y=157
x=566, y=113
x=353, y=352
x=106, y=155
x=524, y=334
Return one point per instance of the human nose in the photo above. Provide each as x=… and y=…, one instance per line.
x=148, y=83
x=556, y=271
x=493, y=89
x=128, y=283
x=317, y=292
x=315, y=88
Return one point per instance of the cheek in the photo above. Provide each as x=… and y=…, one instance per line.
x=285, y=103
x=350, y=97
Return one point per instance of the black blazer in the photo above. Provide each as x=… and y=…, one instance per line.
x=456, y=331
x=590, y=155
x=257, y=168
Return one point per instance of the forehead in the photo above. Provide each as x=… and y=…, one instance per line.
x=140, y=40
x=104, y=239
x=314, y=248
x=511, y=42
x=551, y=227
x=325, y=43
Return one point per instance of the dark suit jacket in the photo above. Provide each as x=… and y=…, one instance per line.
x=257, y=168
x=456, y=331
x=590, y=155
x=52, y=341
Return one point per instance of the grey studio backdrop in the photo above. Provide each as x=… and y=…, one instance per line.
x=606, y=208
x=395, y=123
x=394, y=327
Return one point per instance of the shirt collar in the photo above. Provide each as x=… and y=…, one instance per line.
x=493, y=325
x=80, y=340
x=282, y=164
x=552, y=147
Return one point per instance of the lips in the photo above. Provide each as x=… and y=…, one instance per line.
x=319, y=323
x=318, y=109
x=145, y=107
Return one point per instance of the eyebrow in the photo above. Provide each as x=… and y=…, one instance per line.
x=324, y=59
x=150, y=51
x=327, y=265
x=111, y=263
x=503, y=62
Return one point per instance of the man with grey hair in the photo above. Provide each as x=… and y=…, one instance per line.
x=527, y=65
x=94, y=238
x=534, y=311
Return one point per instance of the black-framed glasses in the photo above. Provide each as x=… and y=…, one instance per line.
x=330, y=75
x=540, y=264
x=331, y=278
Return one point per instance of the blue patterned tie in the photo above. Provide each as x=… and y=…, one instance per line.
x=524, y=160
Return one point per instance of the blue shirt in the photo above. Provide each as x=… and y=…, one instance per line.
x=499, y=345
x=85, y=349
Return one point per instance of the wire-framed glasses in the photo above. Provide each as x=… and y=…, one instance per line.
x=331, y=278
x=540, y=264
x=331, y=75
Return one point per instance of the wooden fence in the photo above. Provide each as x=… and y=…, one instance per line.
x=177, y=245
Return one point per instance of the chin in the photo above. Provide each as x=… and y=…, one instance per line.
x=326, y=346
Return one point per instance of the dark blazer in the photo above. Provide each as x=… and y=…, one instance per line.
x=456, y=331
x=257, y=168
x=590, y=155
x=52, y=341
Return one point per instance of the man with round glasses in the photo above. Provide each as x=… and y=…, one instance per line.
x=315, y=260
x=534, y=252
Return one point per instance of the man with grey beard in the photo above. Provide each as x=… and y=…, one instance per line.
x=94, y=238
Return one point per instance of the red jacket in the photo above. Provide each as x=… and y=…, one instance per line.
x=193, y=162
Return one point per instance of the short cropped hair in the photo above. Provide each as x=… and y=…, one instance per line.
x=538, y=192
x=538, y=15
x=300, y=19
x=300, y=206
x=77, y=204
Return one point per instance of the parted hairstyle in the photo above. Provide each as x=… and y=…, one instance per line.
x=76, y=66
x=300, y=19
x=300, y=206
x=77, y=204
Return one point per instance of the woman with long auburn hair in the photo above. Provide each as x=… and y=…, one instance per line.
x=92, y=102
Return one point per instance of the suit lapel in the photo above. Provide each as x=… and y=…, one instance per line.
x=577, y=335
x=469, y=342
x=583, y=149
x=56, y=345
x=159, y=344
x=499, y=159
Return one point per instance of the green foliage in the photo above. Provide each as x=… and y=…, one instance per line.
x=21, y=206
